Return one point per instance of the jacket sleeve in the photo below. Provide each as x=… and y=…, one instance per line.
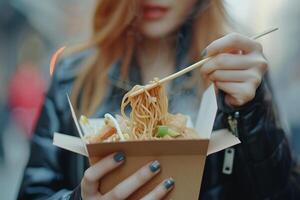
x=264, y=146
x=45, y=174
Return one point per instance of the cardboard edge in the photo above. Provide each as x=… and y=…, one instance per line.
x=70, y=143
x=162, y=147
x=79, y=129
x=151, y=147
x=207, y=113
x=221, y=139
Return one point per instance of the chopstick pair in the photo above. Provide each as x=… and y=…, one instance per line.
x=189, y=68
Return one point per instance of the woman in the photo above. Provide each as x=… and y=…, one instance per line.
x=134, y=41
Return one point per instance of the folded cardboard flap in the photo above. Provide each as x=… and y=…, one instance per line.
x=221, y=139
x=71, y=143
x=207, y=113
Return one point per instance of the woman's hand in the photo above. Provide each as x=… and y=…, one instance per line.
x=237, y=67
x=92, y=176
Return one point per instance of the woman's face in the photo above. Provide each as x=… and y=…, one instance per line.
x=160, y=18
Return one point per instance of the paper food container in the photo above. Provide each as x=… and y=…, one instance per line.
x=181, y=159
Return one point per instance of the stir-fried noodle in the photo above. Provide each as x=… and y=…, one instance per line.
x=148, y=110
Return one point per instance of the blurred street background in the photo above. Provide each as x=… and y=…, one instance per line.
x=31, y=30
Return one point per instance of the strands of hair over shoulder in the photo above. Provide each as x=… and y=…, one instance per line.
x=148, y=110
x=113, y=39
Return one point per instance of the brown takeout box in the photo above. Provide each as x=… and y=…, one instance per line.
x=181, y=159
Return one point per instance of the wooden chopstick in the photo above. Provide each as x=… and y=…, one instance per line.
x=189, y=68
x=264, y=33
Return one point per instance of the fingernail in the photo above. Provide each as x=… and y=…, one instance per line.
x=155, y=165
x=118, y=157
x=169, y=183
x=203, y=53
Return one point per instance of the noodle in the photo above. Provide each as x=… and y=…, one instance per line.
x=148, y=119
x=148, y=110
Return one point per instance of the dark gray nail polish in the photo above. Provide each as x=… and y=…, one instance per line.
x=203, y=53
x=118, y=157
x=168, y=183
x=155, y=165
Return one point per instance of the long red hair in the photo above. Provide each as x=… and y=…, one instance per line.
x=114, y=38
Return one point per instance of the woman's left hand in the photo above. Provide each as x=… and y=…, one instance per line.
x=237, y=67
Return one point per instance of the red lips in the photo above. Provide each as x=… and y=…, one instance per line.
x=154, y=12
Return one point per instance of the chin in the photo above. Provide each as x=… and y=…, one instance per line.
x=156, y=31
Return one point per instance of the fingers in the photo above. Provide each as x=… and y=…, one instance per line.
x=232, y=42
x=135, y=181
x=228, y=76
x=239, y=83
x=92, y=175
x=237, y=67
x=237, y=94
x=250, y=75
x=226, y=61
x=161, y=190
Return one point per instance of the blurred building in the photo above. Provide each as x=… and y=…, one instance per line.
x=30, y=31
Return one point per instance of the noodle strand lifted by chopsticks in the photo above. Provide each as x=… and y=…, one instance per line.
x=148, y=110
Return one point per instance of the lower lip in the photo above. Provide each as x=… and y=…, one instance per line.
x=154, y=13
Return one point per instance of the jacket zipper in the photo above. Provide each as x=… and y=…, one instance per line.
x=230, y=152
x=233, y=123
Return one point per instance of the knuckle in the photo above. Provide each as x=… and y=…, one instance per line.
x=263, y=64
x=257, y=81
x=88, y=176
x=256, y=78
x=249, y=93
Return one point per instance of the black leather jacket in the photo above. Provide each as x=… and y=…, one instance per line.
x=262, y=167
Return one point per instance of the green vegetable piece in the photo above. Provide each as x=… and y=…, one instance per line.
x=173, y=133
x=163, y=131
x=84, y=120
